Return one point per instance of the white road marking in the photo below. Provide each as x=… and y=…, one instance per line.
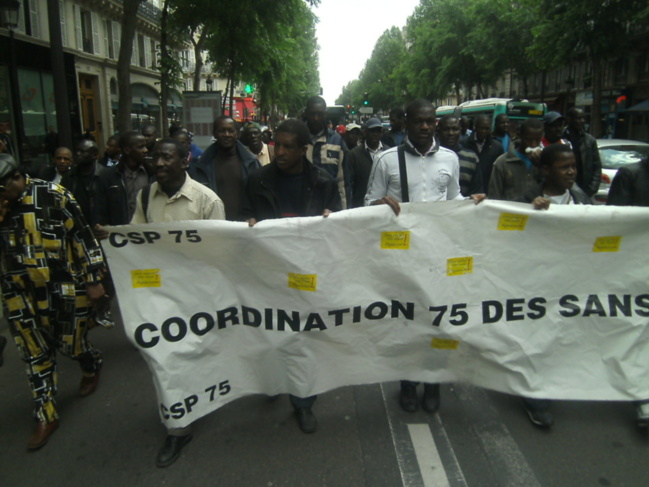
x=430, y=464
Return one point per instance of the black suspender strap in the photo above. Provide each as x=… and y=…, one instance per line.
x=403, y=174
x=145, y=200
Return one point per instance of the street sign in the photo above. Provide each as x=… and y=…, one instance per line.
x=369, y=110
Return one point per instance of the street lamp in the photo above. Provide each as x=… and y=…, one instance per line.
x=9, y=14
x=208, y=82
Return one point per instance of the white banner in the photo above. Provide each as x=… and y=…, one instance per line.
x=549, y=304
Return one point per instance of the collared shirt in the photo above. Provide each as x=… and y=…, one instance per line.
x=193, y=201
x=264, y=155
x=433, y=176
x=376, y=152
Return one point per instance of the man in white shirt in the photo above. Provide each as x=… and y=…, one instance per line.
x=418, y=170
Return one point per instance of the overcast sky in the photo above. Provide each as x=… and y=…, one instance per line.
x=347, y=32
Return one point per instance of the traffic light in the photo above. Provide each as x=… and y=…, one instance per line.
x=248, y=89
x=366, y=102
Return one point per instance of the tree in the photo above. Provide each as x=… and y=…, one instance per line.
x=379, y=77
x=600, y=31
x=501, y=34
x=124, y=108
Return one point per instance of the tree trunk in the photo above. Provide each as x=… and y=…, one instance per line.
x=231, y=90
x=198, y=53
x=596, y=129
x=164, y=72
x=129, y=17
x=225, y=94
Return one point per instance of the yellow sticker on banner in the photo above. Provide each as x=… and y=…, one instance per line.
x=607, y=244
x=459, y=266
x=512, y=221
x=395, y=240
x=303, y=282
x=146, y=278
x=445, y=344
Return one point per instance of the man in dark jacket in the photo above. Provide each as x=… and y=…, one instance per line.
x=82, y=179
x=589, y=164
x=327, y=150
x=482, y=143
x=630, y=187
x=225, y=166
x=397, y=133
x=118, y=186
x=361, y=158
x=292, y=186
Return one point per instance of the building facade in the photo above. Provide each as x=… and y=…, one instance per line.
x=91, y=33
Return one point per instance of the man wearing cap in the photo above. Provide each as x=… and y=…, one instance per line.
x=553, y=125
x=352, y=135
x=589, y=164
x=51, y=268
x=362, y=157
x=251, y=138
x=327, y=149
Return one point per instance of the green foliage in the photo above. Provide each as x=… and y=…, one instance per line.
x=269, y=43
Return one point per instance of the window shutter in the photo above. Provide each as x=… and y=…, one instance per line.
x=147, y=53
x=95, y=33
x=117, y=38
x=64, y=36
x=135, y=59
x=35, y=18
x=106, y=40
x=77, y=27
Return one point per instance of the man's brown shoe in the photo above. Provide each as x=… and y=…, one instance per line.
x=41, y=434
x=88, y=385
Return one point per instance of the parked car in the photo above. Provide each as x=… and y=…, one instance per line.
x=616, y=153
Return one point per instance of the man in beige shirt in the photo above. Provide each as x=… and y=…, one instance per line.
x=174, y=196
x=251, y=138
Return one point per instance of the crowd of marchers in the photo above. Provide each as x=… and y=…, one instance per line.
x=55, y=282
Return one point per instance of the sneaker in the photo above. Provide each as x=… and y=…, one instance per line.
x=538, y=411
x=642, y=414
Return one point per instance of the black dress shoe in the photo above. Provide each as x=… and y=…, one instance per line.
x=408, y=397
x=430, y=401
x=171, y=449
x=306, y=420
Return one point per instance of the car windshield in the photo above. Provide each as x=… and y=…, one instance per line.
x=614, y=157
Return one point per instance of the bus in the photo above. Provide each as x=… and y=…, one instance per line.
x=516, y=110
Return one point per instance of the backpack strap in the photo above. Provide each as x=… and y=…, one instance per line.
x=403, y=174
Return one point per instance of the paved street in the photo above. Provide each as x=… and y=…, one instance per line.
x=480, y=438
